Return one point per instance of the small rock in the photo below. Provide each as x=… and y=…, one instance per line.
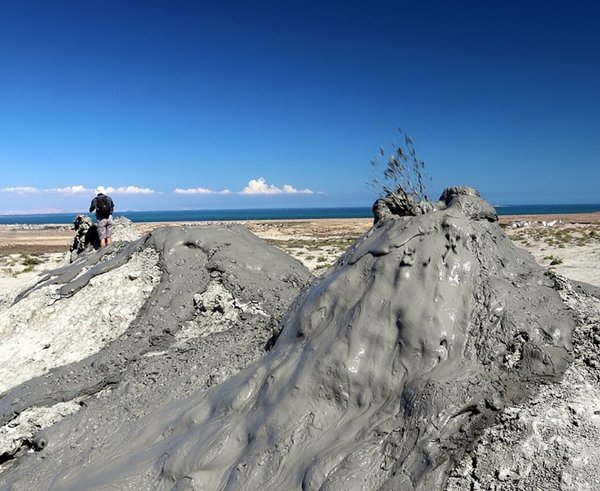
x=566, y=479
x=40, y=442
x=504, y=474
x=197, y=300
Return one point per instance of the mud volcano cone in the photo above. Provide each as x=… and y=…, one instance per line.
x=383, y=375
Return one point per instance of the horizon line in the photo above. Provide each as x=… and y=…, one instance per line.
x=175, y=210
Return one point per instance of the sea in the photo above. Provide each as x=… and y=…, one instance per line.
x=275, y=214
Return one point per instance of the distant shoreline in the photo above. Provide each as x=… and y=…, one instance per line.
x=280, y=214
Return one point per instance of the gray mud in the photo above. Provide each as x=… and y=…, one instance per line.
x=147, y=365
x=549, y=442
x=386, y=372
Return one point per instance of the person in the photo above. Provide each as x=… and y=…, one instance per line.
x=104, y=207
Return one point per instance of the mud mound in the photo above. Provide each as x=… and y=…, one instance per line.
x=550, y=442
x=124, y=230
x=386, y=371
x=86, y=234
x=97, y=344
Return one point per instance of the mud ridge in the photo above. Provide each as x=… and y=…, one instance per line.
x=146, y=365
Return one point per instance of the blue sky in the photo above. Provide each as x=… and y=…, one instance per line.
x=181, y=104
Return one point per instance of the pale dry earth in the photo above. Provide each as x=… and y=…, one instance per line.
x=36, y=343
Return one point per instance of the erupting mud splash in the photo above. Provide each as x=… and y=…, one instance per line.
x=385, y=371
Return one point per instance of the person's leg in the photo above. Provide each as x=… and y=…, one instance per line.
x=109, y=229
x=102, y=232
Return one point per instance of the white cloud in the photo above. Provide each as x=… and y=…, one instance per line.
x=255, y=186
x=124, y=190
x=287, y=189
x=200, y=191
x=37, y=211
x=20, y=190
x=260, y=186
x=78, y=189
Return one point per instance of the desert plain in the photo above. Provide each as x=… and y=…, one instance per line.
x=569, y=244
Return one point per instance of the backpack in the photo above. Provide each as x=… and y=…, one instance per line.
x=103, y=207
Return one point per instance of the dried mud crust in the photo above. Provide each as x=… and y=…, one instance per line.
x=552, y=441
x=39, y=332
x=150, y=362
x=315, y=243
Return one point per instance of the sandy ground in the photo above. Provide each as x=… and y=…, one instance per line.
x=568, y=244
